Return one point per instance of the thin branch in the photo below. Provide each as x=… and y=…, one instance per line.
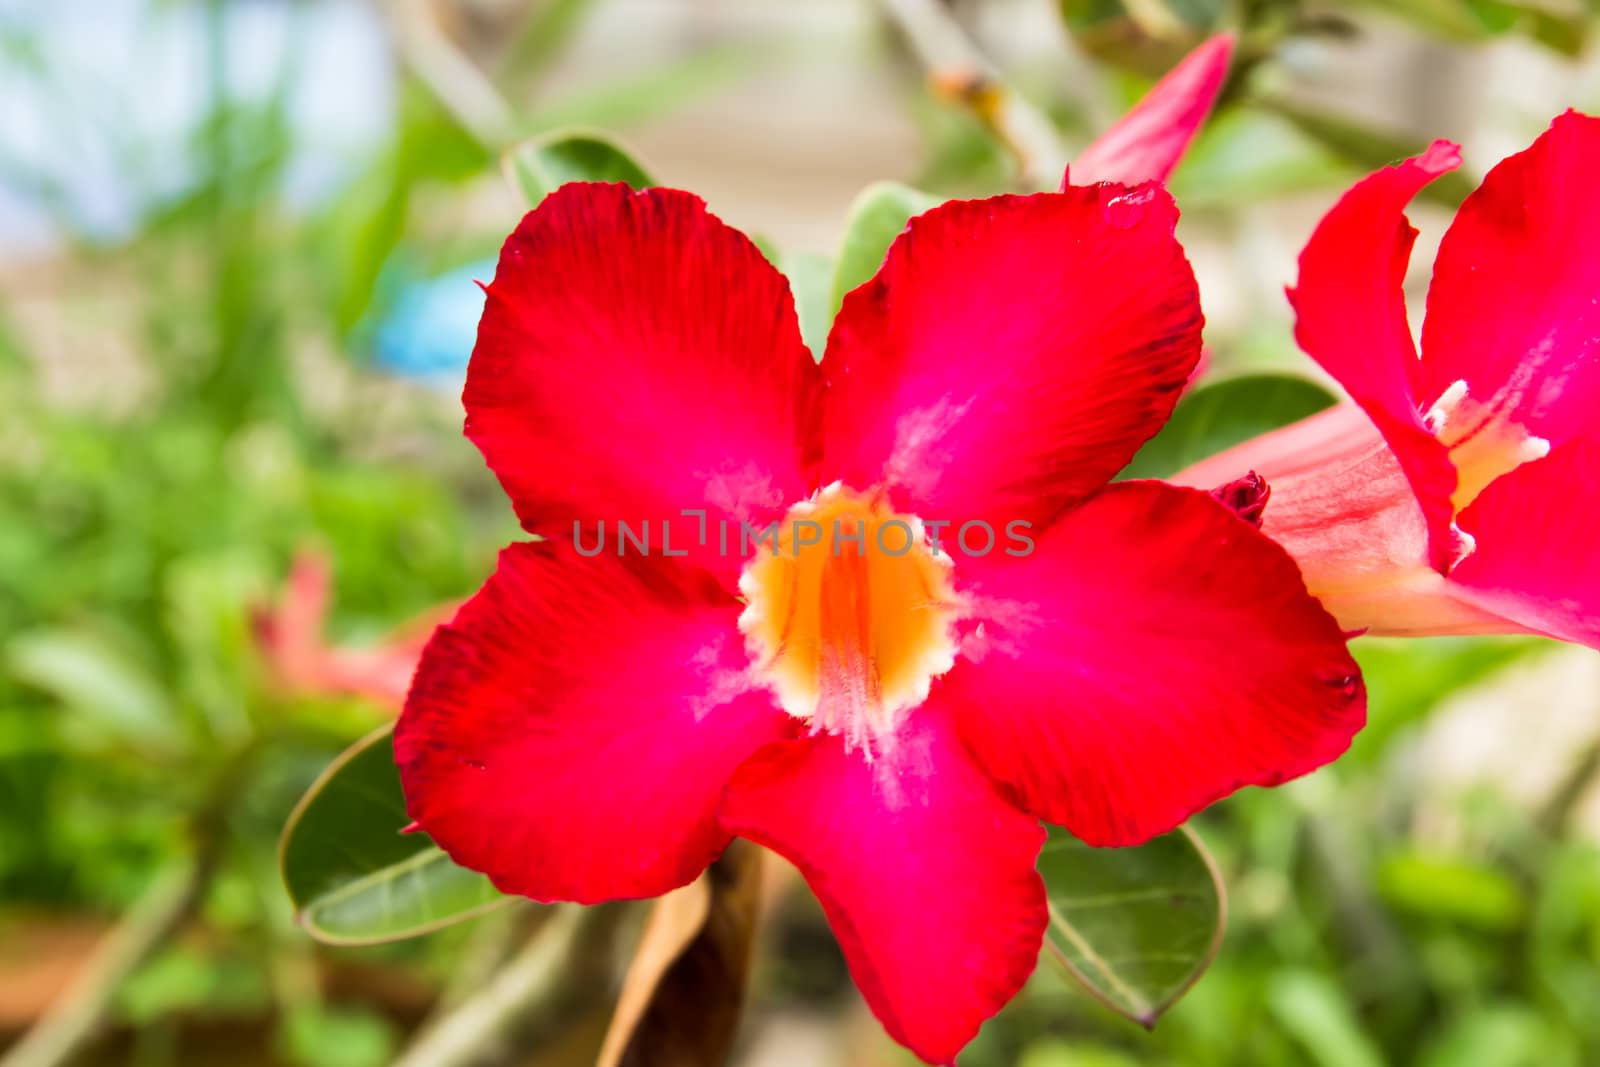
x=464, y=90
x=80, y=1014
x=559, y=970
x=957, y=69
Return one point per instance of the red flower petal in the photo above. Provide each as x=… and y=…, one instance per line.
x=570, y=732
x=1012, y=354
x=1152, y=655
x=925, y=871
x=1342, y=507
x=1512, y=310
x=1146, y=143
x=1536, y=561
x=637, y=357
x=1351, y=317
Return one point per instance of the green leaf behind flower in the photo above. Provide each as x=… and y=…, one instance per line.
x=810, y=276
x=353, y=876
x=1220, y=415
x=877, y=217
x=1136, y=927
x=538, y=167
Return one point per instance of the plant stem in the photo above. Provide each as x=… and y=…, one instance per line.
x=80, y=1014
x=558, y=970
x=464, y=90
x=956, y=68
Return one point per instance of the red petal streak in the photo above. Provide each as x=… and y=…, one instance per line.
x=1152, y=655
x=638, y=357
x=1514, y=310
x=1351, y=317
x=1146, y=143
x=570, y=732
x=925, y=871
x=1012, y=354
x=1343, y=508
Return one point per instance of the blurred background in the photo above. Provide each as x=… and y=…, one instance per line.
x=237, y=249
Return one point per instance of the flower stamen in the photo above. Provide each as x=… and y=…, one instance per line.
x=1484, y=441
x=848, y=615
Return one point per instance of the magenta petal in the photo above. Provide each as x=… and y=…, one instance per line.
x=1146, y=143
x=1351, y=317
x=570, y=732
x=1513, y=310
x=1153, y=654
x=1012, y=354
x=1536, y=561
x=925, y=871
x=638, y=357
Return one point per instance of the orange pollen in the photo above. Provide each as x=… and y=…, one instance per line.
x=849, y=614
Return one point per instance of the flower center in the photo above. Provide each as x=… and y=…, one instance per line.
x=1483, y=440
x=848, y=614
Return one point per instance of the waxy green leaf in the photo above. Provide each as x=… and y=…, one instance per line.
x=355, y=878
x=810, y=276
x=1136, y=927
x=1368, y=148
x=877, y=217
x=1222, y=414
x=538, y=167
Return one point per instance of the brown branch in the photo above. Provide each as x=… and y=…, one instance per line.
x=563, y=966
x=958, y=71
x=454, y=79
x=80, y=1014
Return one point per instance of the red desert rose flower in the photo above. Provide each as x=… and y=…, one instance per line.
x=1455, y=495
x=592, y=727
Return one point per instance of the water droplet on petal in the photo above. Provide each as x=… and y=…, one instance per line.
x=1126, y=210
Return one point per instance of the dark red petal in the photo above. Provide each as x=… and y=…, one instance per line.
x=1513, y=309
x=638, y=357
x=1146, y=143
x=925, y=871
x=1245, y=496
x=1012, y=354
x=1152, y=655
x=570, y=732
x=1351, y=317
x=1536, y=561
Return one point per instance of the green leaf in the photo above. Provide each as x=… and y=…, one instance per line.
x=1246, y=155
x=1135, y=926
x=114, y=695
x=354, y=877
x=1369, y=148
x=1314, y=1010
x=877, y=217
x=1505, y=1033
x=1223, y=414
x=539, y=167
x=810, y=276
x=1454, y=889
